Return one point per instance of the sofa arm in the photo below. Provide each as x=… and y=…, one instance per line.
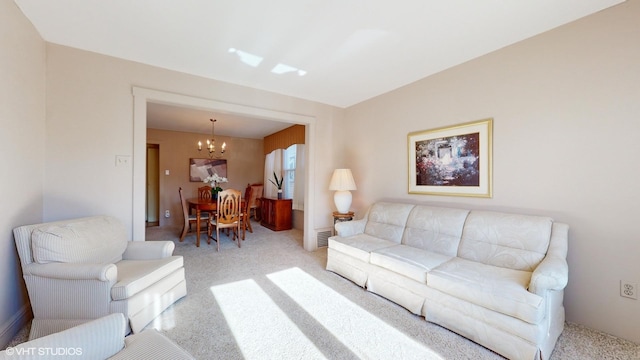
x=349, y=228
x=553, y=272
x=148, y=250
x=71, y=271
x=97, y=339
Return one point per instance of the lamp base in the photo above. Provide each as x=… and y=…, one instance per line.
x=342, y=199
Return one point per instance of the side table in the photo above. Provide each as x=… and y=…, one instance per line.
x=338, y=217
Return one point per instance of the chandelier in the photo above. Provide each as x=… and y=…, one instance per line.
x=211, y=143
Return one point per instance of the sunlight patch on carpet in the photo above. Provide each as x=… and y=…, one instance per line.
x=261, y=329
x=366, y=335
x=165, y=321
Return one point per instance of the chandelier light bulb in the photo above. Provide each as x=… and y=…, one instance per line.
x=211, y=143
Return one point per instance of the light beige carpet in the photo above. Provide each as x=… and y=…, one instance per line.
x=271, y=299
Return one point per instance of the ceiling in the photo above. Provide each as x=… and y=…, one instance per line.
x=337, y=52
x=168, y=117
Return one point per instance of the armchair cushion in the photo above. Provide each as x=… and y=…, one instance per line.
x=100, y=240
x=136, y=276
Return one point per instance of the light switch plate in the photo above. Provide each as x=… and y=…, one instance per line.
x=122, y=160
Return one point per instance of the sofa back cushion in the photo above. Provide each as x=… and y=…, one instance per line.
x=100, y=240
x=435, y=229
x=511, y=241
x=387, y=220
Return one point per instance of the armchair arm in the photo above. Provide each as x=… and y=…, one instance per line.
x=349, y=228
x=148, y=250
x=70, y=291
x=97, y=339
x=553, y=272
x=72, y=271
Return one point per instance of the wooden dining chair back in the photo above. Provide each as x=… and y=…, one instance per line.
x=188, y=218
x=228, y=216
x=246, y=221
x=204, y=192
x=253, y=200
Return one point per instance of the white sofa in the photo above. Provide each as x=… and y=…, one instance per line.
x=103, y=338
x=495, y=278
x=81, y=269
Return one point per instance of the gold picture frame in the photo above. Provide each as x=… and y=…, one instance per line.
x=452, y=161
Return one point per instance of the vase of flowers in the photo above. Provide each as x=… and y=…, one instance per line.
x=214, y=181
x=278, y=184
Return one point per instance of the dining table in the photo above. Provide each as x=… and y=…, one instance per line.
x=210, y=206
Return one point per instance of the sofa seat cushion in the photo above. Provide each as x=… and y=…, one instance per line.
x=408, y=261
x=136, y=275
x=499, y=289
x=97, y=240
x=359, y=246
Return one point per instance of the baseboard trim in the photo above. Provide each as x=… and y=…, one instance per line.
x=12, y=326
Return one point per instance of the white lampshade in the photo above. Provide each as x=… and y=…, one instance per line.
x=342, y=181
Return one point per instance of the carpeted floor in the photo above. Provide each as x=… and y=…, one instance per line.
x=271, y=299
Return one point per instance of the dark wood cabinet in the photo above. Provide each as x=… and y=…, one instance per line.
x=276, y=214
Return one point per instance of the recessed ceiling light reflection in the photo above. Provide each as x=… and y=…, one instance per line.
x=283, y=69
x=247, y=58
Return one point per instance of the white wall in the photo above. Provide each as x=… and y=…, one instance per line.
x=22, y=119
x=566, y=143
x=61, y=148
x=565, y=106
x=90, y=120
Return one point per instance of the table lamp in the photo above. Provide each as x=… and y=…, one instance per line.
x=342, y=182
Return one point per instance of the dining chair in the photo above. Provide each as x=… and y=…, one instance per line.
x=253, y=194
x=204, y=192
x=245, y=210
x=228, y=216
x=188, y=217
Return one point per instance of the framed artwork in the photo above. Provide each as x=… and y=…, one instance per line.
x=201, y=168
x=454, y=160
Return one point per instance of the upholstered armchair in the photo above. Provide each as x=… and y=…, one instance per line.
x=82, y=269
x=103, y=338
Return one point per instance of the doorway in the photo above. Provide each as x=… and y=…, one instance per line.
x=142, y=96
x=152, y=213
